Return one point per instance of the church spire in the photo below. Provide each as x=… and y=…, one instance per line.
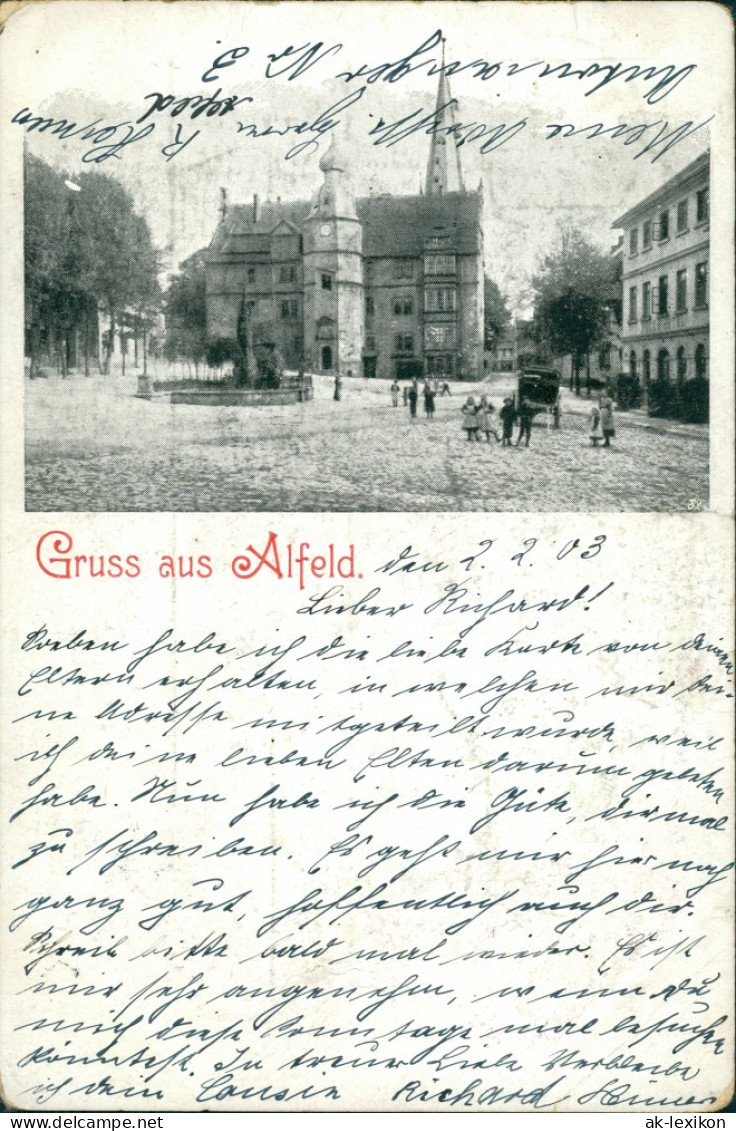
x=444, y=173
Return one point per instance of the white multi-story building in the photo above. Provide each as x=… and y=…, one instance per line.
x=665, y=292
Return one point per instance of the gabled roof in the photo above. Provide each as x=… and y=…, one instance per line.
x=392, y=225
x=239, y=223
x=286, y=228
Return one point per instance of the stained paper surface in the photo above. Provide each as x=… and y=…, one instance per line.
x=386, y=802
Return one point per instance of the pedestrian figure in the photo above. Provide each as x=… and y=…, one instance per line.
x=480, y=419
x=596, y=432
x=445, y=389
x=508, y=416
x=395, y=394
x=525, y=423
x=338, y=388
x=429, y=394
x=470, y=419
x=607, y=422
x=406, y=395
x=413, y=398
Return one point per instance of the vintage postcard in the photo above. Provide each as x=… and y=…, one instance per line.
x=367, y=558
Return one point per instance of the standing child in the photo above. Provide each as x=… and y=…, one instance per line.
x=429, y=395
x=508, y=416
x=486, y=413
x=596, y=432
x=469, y=419
x=607, y=422
x=395, y=394
x=525, y=423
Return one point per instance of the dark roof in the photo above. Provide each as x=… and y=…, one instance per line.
x=392, y=225
x=399, y=225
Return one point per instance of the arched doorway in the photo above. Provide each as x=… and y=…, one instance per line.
x=697, y=401
x=632, y=364
x=701, y=362
x=326, y=333
x=681, y=364
x=646, y=367
x=663, y=366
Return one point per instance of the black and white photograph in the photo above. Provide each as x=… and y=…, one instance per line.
x=340, y=274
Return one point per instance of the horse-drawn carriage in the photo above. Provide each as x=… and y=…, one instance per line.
x=539, y=386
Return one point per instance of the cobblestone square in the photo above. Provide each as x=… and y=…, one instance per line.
x=91, y=445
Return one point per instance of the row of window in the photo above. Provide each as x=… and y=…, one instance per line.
x=286, y=273
x=436, y=300
x=436, y=337
x=402, y=304
x=682, y=364
x=437, y=263
x=659, y=230
x=656, y=298
x=443, y=264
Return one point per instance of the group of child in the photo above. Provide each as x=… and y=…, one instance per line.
x=477, y=419
x=480, y=418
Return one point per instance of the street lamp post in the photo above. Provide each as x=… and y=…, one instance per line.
x=73, y=188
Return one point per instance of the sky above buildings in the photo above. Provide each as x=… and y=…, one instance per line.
x=549, y=149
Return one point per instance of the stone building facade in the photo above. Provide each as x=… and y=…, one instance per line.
x=665, y=330
x=379, y=286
